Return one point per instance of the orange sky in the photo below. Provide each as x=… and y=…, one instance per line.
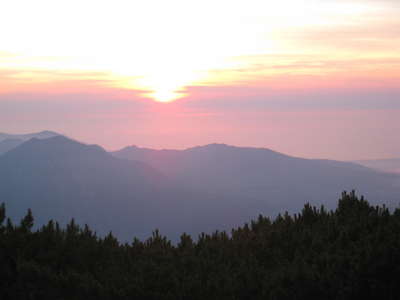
x=257, y=73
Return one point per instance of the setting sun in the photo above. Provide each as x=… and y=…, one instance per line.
x=163, y=47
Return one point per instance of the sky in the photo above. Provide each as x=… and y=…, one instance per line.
x=310, y=78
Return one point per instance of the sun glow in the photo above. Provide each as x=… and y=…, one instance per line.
x=158, y=47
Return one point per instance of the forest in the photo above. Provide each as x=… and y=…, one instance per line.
x=352, y=252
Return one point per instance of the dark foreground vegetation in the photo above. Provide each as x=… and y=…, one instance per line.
x=350, y=253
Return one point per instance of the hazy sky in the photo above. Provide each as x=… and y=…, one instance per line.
x=311, y=78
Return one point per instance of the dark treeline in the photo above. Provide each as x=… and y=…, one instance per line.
x=350, y=253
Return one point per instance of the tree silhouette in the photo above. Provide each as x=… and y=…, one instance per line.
x=352, y=252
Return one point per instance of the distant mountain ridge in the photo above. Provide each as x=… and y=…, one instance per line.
x=257, y=174
x=39, y=135
x=390, y=165
x=136, y=190
x=63, y=179
x=10, y=141
x=8, y=144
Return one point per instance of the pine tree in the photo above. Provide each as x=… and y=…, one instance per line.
x=27, y=222
x=2, y=213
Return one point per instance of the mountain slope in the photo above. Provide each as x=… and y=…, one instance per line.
x=60, y=178
x=11, y=141
x=8, y=144
x=264, y=178
x=24, y=137
x=199, y=189
x=384, y=165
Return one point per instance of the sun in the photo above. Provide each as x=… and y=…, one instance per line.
x=158, y=47
x=163, y=79
x=165, y=96
x=166, y=80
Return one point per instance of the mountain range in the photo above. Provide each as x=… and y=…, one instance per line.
x=62, y=179
x=390, y=165
x=136, y=190
x=10, y=141
x=264, y=178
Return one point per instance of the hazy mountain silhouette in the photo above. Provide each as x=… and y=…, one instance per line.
x=24, y=137
x=391, y=165
x=136, y=190
x=263, y=178
x=61, y=178
x=10, y=141
x=8, y=144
